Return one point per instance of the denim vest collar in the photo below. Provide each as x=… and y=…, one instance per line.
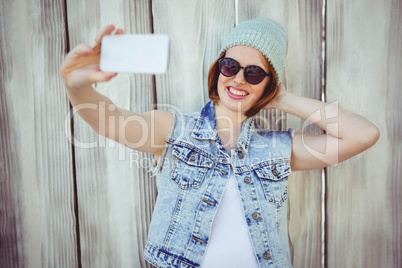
x=205, y=127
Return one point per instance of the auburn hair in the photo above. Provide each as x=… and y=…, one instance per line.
x=269, y=92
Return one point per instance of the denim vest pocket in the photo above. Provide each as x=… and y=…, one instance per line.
x=274, y=181
x=190, y=167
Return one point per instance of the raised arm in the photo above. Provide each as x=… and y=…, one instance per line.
x=347, y=134
x=143, y=132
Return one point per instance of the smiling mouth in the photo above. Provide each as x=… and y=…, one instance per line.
x=237, y=92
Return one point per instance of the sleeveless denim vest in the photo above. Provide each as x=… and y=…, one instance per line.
x=191, y=177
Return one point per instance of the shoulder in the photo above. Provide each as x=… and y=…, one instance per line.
x=278, y=143
x=185, y=118
x=179, y=123
x=280, y=135
x=162, y=118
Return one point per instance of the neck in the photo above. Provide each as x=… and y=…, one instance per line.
x=228, y=120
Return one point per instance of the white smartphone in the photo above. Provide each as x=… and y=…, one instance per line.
x=135, y=53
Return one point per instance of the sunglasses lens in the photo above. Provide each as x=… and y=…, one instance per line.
x=254, y=74
x=229, y=67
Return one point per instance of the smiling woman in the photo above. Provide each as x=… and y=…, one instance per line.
x=222, y=180
x=236, y=90
x=270, y=89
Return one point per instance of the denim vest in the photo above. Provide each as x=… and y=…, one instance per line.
x=191, y=177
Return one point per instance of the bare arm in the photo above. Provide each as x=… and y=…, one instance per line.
x=348, y=134
x=143, y=132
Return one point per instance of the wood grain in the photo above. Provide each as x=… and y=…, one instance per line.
x=37, y=198
x=302, y=76
x=11, y=226
x=364, y=75
x=115, y=192
x=196, y=29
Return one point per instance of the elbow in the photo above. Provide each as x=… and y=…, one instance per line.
x=372, y=135
x=360, y=143
x=376, y=135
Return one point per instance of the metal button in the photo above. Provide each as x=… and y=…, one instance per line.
x=192, y=158
x=225, y=161
x=240, y=155
x=266, y=256
x=247, y=180
x=256, y=215
x=275, y=172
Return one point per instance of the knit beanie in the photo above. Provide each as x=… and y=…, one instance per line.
x=265, y=35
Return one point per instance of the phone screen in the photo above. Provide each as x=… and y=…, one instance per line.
x=135, y=53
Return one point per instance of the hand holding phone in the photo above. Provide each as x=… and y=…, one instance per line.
x=135, y=53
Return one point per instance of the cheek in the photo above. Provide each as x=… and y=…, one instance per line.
x=222, y=80
x=259, y=90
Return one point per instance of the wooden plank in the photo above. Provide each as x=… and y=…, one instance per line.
x=197, y=29
x=115, y=193
x=302, y=22
x=364, y=75
x=37, y=196
x=11, y=227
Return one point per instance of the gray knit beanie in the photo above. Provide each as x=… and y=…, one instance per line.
x=265, y=35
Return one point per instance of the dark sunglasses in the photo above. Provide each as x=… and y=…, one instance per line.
x=253, y=74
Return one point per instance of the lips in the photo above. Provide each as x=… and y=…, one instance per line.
x=236, y=93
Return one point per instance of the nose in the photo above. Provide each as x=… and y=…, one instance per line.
x=239, y=77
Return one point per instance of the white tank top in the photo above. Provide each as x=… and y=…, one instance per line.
x=230, y=244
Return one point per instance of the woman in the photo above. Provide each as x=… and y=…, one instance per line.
x=222, y=181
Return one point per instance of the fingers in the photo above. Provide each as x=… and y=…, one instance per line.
x=79, y=50
x=101, y=77
x=105, y=31
x=83, y=49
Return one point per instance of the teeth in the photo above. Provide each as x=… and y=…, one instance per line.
x=237, y=92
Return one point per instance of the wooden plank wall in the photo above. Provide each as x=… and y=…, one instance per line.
x=37, y=218
x=364, y=197
x=114, y=191
x=72, y=206
x=196, y=29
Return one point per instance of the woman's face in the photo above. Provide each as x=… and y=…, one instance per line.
x=235, y=93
